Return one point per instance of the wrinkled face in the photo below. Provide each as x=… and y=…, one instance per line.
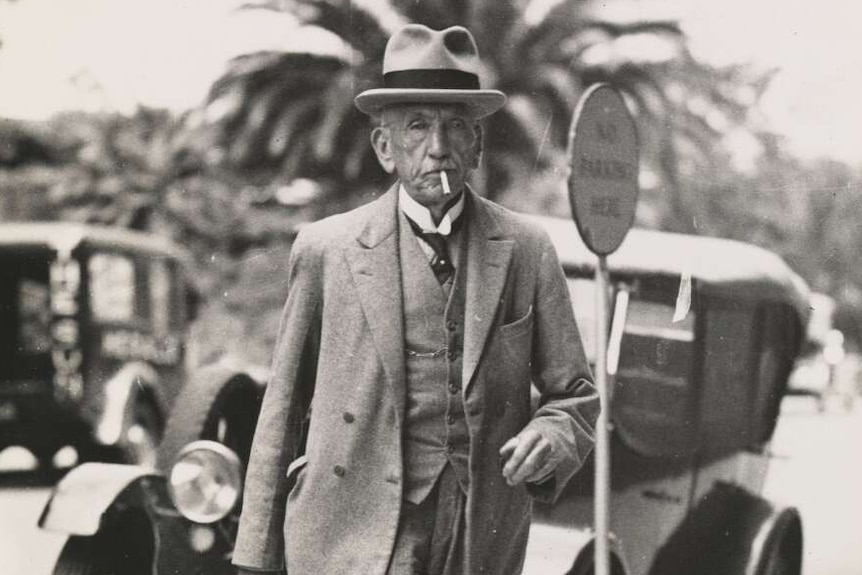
x=417, y=141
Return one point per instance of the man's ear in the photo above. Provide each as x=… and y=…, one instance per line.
x=478, y=146
x=382, y=144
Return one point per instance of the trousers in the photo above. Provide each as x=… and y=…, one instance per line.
x=430, y=537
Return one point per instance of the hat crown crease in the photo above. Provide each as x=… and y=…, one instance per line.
x=422, y=65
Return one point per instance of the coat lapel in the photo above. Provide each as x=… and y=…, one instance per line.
x=376, y=271
x=488, y=257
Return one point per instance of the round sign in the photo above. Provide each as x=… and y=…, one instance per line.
x=603, y=176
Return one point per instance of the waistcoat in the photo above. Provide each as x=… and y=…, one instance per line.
x=435, y=428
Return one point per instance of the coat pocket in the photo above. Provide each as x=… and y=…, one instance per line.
x=519, y=326
x=295, y=467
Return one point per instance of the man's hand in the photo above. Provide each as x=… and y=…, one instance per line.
x=528, y=457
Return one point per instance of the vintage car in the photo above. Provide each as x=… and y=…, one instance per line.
x=93, y=332
x=695, y=402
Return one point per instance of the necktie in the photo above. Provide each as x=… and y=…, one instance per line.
x=440, y=263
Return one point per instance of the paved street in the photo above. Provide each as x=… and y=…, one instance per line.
x=818, y=468
x=24, y=549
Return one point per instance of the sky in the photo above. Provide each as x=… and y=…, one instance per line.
x=116, y=54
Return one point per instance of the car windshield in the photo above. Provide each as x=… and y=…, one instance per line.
x=25, y=312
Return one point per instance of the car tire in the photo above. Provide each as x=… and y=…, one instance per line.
x=80, y=556
x=126, y=547
x=784, y=551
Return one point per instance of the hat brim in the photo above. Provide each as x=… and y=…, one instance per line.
x=482, y=102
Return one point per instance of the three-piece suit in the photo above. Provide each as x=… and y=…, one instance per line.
x=341, y=357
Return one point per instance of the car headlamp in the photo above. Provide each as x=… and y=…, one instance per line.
x=205, y=481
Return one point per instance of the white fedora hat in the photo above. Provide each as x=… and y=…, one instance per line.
x=422, y=65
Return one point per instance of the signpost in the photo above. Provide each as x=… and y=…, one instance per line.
x=603, y=192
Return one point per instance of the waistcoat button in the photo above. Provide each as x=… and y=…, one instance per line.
x=348, y=417
x=338, y=470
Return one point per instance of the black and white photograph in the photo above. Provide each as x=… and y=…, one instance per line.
x=430, y=287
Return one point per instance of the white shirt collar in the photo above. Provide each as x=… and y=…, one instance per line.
x=421, y=215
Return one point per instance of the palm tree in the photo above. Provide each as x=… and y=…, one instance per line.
x=290, y=114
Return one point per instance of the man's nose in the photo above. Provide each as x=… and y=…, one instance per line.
x=438, y=146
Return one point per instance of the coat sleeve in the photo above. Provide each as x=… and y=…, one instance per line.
x=569, y=404
x=278, y=438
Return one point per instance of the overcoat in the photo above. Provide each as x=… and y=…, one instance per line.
x=340, y=356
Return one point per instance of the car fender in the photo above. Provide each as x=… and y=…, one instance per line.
x=561, y=550
x=80, y=500
x=120, y=393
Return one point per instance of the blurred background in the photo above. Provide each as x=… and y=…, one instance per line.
x=227, y=125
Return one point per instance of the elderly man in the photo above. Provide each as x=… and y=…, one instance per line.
x=413, y=330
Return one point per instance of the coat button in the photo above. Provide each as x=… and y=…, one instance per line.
x=452, y=354
x=450, y=448
x=339, y=471
x=451, y=325
x=453, y=388
x=348, y=417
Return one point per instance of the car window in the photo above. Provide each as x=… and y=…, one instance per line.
x=113, y=297
x=34, y=311
x=728, y=390
x=160, y=296
x=654, y=389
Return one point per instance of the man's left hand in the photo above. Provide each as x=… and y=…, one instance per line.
x=529, y=457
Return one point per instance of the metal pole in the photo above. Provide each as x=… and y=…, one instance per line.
x=602, y=453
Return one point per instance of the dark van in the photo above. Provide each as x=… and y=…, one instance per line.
x=695, y=401
x=93, y=336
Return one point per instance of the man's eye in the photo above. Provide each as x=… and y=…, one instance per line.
x=418, y=125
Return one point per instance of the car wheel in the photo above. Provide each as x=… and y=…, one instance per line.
x=79, y=557
x=781, y=563
x=126, y=548
x=784, y=555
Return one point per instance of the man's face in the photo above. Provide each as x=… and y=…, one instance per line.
x=418, y=141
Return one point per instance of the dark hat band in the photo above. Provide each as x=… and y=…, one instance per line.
x=429, y=79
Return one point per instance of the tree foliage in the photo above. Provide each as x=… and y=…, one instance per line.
x=278, y=142
x=291, y=113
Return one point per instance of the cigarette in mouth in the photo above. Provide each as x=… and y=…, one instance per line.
x=446, y=189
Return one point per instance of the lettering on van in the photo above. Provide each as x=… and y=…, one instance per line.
x=126, y=345
x=65, y=330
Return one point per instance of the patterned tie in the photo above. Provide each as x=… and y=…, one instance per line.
x=441, y=263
